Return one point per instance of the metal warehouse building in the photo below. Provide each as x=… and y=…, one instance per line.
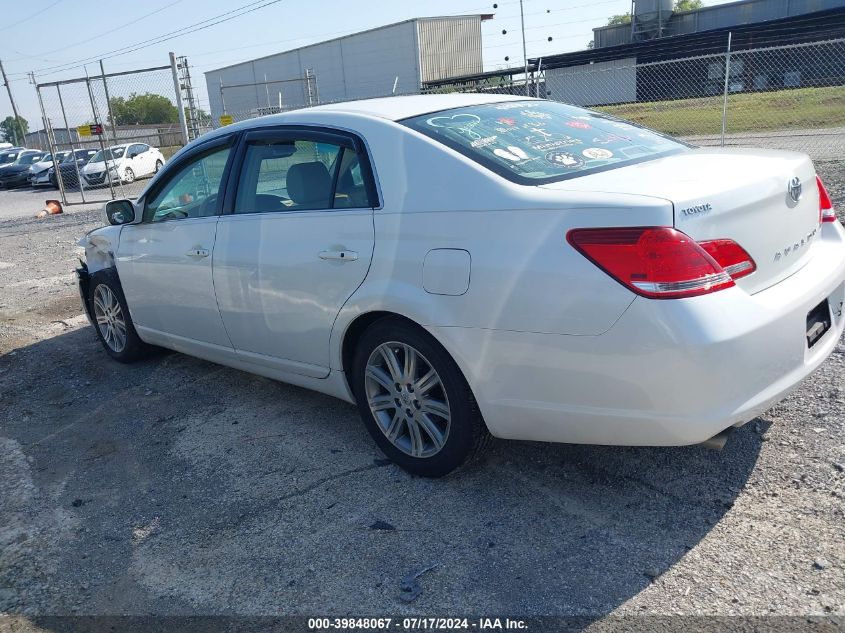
x=634, y=62
x=394, y=59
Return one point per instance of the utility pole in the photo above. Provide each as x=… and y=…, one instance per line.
x=14, y=107
x=185, y=79
x=524, y=50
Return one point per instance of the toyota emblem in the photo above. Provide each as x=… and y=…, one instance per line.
x=794, y=189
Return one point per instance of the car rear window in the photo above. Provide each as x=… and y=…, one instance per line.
x=535, y=142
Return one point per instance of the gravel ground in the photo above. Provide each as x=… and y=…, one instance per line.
x=175, y=486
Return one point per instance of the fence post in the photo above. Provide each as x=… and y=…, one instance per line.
x=183, y=123
x=727, y=83
x=100, y=137
x=51, y=139
x=108, y=104
x=59, y=178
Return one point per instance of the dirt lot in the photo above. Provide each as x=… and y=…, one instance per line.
x=175, y=486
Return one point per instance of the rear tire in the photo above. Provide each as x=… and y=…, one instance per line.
x=112, y=321
x=414, y=400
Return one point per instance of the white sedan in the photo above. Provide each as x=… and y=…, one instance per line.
x=464, y=265
x=125, y=162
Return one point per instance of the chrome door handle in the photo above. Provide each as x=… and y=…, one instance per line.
x=197, y=253
x=346, y=256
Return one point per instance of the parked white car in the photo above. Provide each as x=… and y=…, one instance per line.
x=126, y=163
x=39, y=173
x=464, y=264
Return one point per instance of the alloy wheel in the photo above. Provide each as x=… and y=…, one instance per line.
x=407, y=399
x=109, y=317
x=129, y=175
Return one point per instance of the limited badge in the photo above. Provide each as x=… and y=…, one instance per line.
x=597, y=153
x=564, y=159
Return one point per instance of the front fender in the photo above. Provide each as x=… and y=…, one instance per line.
x=100, y=247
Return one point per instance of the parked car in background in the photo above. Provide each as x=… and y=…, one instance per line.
x=4, y=146
x=10, y=155
x=471, y=263
x=39, y=173
x=70, y=167
x=125, y=162
x=16, y=174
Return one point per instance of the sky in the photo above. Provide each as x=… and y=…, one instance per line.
x=61, y=39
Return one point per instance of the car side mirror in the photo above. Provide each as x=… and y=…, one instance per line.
x=119, y=212
x=133, y=154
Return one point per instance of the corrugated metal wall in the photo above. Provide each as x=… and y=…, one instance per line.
x=449, y=47
x=594, y=84
x=357, y=66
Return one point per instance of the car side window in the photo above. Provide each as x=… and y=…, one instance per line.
x=351, y=190
x=286, y=175
x=192, y=191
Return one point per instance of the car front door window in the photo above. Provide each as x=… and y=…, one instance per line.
x=191, y=192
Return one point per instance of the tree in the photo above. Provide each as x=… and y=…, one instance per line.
x=616, y=20
x=201, y=117
x=14, y=131
x=680, y=5
x=688, y=5
x=144, y=108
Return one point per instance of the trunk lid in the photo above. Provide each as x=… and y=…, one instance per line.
x=738, y=194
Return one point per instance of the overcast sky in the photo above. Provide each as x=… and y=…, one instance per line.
x=41, y=35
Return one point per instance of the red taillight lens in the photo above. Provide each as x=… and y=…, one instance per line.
x=826, y=212
x=655, y=262
x=730, y=256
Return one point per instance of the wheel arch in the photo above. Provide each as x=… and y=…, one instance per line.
x=356, y=328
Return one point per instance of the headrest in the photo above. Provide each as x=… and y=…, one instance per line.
x=309, y=184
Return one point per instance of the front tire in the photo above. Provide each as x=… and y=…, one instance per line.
x=128, y=175
x=112, y=321
x=414, y=400
x=159, y=165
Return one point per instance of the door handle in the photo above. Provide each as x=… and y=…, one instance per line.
x=197, y=253
x=346, y=256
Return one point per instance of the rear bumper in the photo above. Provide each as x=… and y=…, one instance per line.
x=667, y=373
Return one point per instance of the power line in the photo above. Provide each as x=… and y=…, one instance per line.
x=131, y=48
x=29, y=17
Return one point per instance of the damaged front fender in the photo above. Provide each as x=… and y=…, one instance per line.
x=100, y=246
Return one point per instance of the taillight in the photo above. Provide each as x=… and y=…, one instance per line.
x=655, y=262
x=730, y=256
x=826, y=212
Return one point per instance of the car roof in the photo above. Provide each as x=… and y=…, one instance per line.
x=396, y=108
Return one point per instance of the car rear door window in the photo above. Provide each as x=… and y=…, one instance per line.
x=291, y=172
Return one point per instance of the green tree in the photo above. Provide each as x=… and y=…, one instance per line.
x=144, y=108
x=616, y=20
x=201, y=116
x=680, y=5
x=14, y=130
x=688, y=5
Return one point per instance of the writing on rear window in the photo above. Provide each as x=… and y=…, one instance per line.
x=542, y=141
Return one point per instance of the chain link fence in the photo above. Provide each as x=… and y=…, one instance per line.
x=785, y=97
x=111, y=131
